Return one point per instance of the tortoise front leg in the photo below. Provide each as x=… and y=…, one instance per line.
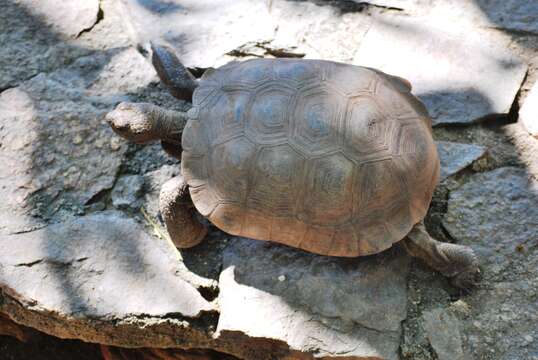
x=179, y=215
x=143, y=123
x=172, y=73
x=458, y=262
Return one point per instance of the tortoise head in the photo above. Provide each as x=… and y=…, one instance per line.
x=131, y=121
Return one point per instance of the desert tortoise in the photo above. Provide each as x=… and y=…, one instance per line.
x=330, y=158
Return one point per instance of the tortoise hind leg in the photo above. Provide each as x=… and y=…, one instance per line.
x=178, y=213
x=458, y=262
x=172, y=73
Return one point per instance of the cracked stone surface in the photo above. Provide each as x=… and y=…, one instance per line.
x=68, y=17
x=330, y=306
x=64, y=171
x=29, y=47
x=127, y=191
x=102, y=266
x=455, y=157
x=203, y=37
x=460, y=75
x=496, y=214
x=57, y=150
x=528, y=114
x=442, y=329
x=200, y=34
x=99, y=278
x=509, y=15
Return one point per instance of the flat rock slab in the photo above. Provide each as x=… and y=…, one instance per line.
x=209, y=33
x=518, y=15
x=66, y=17
x=325, y=306
x=57, y=150
x=29, y=45
x=202, y=31
x=455, y=157
x=101, y=278
x=103, y=267
x=528, y=114
x=443, y=332
x=496, y=214
x=461, y=76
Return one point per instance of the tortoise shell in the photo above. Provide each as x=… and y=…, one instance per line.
x=331, y=158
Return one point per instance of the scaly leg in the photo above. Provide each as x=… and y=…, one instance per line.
x=172, y=73
x=458, y=262
x=178, y=213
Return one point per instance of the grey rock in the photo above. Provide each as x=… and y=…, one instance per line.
x=525, y=147
x=455, y=157
x=68, y=18
x=110, y=31
x=461, y=75
x=528, y=114
x=154, y=180
x=329, y=32
x=66, y=278
x=127, y=191
x=496, y=214
x=207, y=38
x=200, y=34
x=58, y=152
x=442, y=330
x=510, y=15
x=29, y=45
x=327, y=306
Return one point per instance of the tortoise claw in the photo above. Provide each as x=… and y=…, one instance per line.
x=467, y=279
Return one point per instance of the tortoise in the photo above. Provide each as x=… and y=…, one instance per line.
x=327, y=157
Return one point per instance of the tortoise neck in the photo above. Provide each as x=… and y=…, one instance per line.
x=169, y=124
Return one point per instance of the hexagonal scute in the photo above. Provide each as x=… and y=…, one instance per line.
x=328, y=197
x=203, y=95
x=268, y=114
x=299, y=71
x=317, y=120
x=419, y=162
x=230, y=163
x=278, y=174
x=400, y=105
x=415, y=146
x=380, y=185
x=194, y=139
x=350, y=80
x=254, y=72
x=367, y=131
x=204, y=199
x=225, y=115
x=228, y=218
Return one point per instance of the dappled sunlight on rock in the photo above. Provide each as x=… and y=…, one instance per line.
x=99, y=267
x=66, y=17
x=461, y=76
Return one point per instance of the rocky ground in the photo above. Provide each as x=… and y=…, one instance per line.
x=84, y=255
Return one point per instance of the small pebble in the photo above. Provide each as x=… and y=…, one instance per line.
x=281, y=278
x=77, y=140
x=115, y=143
